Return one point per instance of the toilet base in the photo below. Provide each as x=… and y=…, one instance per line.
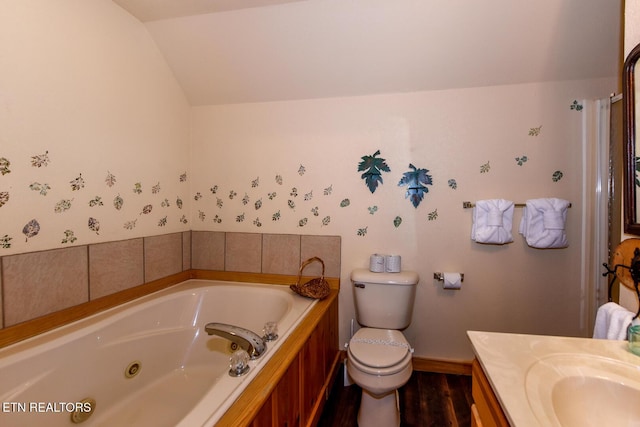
x=379, y=410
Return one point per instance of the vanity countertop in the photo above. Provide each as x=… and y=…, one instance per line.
x=509, y=359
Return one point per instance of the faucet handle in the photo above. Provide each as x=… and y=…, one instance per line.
x=239, y=363
x=270, y=331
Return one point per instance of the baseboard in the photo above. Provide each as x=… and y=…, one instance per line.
x=457, y=367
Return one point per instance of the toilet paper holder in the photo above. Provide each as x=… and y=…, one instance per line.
x=440, y=276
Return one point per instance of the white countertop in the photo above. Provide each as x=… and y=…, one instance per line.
x=507, y=358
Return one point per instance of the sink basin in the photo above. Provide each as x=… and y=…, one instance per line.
x=584, y=390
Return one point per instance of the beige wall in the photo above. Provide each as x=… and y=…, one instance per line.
x=451, y=133
x=84, y=83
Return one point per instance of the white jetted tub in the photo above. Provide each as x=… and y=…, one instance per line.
x=148, y=362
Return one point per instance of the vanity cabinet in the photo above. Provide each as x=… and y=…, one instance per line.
x=486, y=410
x=299, y=396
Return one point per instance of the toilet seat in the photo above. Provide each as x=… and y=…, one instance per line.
x=379, y=351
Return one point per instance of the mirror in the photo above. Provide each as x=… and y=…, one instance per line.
x=631, y=152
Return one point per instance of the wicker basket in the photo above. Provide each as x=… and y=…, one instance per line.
x=317, y=288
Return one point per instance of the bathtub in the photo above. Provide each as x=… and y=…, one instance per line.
x=148, y=362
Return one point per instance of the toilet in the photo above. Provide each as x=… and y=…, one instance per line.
x=379, y=355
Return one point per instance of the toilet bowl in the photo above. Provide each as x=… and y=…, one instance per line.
x=379, y=355
x=379, y=361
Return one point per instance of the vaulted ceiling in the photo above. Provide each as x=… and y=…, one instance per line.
x=235, y=51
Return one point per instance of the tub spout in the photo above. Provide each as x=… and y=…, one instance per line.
x=247, y=340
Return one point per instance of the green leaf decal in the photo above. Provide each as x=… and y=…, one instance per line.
x=5, y=241
x=31, y=229
x=373, y=167
x=4, y=166
x=4, y=197
x=416, y=181
x=557, y=176
x=94, y=225
x=69, y=237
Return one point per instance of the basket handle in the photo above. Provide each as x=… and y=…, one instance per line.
x=306, y=263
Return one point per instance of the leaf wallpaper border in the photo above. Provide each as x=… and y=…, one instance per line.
x=260, y=201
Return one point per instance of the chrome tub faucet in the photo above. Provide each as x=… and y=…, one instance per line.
x=249, y=341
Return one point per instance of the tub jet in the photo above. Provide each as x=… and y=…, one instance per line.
x=83, y=411
x=133, y=369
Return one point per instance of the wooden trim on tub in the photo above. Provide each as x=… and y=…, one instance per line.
x=251, y=400
x=21, y=331
x=275, y=279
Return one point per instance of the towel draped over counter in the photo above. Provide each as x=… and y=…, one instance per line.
x=612, y=321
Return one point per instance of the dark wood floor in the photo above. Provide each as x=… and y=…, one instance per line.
x=427, y=400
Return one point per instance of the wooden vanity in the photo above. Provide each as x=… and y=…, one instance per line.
x=486, y=410
x=543, y=380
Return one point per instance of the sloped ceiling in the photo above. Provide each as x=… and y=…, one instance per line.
x=152, y=10
x=236, y=51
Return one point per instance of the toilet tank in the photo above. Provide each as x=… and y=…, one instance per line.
x=384, y=300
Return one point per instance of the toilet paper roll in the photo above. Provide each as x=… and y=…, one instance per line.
x=376, y=263
x=452, y=280
x=392, y=264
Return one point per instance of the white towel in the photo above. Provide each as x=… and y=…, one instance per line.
x=492, y=221
x=543, y=223
x=612, y=322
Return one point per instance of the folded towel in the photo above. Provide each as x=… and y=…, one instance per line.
x=543, y=223
x=612, y=322
x=492, y=221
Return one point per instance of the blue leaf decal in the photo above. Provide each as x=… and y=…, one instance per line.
x=416, y=181
x=373, y=167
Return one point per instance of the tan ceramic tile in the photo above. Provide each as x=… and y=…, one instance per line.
x=39, y=283
x=243, y=252
x=186, y=250
x=207, y=250
x=325, y=247
x=280, y=254
x=115, y=266
x=162, y=256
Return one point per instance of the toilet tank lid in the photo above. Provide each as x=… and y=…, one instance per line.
x=402, y=278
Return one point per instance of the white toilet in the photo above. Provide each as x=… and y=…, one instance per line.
x=379, y=356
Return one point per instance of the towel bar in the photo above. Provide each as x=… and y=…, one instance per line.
x=467, y=205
